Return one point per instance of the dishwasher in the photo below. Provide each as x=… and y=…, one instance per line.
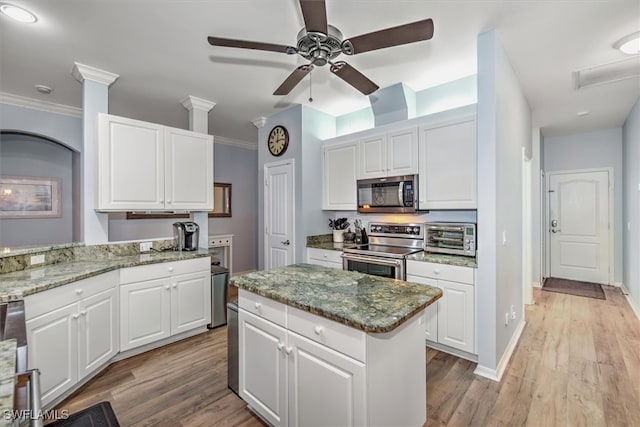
x=232, y=347
x=219, y=296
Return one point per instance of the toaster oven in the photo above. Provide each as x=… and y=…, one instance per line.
x=450, y=238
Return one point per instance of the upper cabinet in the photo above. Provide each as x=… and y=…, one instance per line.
x=389, y=154
x=145, y=166
x=340, y=174
x=448, y=166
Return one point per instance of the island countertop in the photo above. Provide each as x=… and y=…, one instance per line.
x=361, y=301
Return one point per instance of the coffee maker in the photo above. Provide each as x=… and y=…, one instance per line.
x=185, y=236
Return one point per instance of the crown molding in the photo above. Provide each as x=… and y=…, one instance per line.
x=36, y=104
x=193, y=103
x=259, y=122
x=235, y=142
x=86, y=72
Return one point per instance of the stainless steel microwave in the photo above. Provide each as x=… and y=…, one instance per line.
x=394, y=194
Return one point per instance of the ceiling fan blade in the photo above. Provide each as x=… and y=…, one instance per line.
x=394, y=36
x=244, y=44
x=293, y=79
x=315, y=15
x=354, y=77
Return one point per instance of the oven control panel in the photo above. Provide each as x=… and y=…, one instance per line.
x=404, y=230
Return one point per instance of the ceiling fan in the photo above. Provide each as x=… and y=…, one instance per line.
x=321, y=43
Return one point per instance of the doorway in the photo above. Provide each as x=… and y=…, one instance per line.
x=579, y=225
x=279, y=214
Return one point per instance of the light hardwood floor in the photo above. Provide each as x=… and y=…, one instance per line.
x=577, y=363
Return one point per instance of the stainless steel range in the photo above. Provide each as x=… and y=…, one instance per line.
x=385, y=254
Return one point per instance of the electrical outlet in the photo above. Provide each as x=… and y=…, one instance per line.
x=506, y=319
x=145, y=246
x=513, y=313
x=37, y=259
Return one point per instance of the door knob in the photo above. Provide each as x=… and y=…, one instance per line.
x=286, y=242
x=555, y=231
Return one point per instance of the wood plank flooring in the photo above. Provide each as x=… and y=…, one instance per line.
x=577, y=364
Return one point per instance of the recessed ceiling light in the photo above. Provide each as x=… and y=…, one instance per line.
x=629, y=44
x=583, y=113
x=44, y=89
x=18, y=13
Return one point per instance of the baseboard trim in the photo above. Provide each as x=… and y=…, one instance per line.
x=536, y=284
x=634, y=307
x=496, y=374
x=617, y=284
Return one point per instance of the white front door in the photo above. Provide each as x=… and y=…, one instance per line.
x=579, y=226
x=278, y=214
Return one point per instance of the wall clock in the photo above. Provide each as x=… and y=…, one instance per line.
x=278, y=140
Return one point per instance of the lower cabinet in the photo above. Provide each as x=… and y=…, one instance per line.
x=325, y=258
x=71, y=332
x=315, y=371
x=451, y=321
x=152, y=310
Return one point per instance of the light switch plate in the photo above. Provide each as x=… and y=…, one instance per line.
x=145, y=246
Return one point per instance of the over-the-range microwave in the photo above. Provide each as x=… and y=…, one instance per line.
x=394, y=194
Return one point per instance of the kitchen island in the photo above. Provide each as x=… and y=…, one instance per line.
x=320, y=346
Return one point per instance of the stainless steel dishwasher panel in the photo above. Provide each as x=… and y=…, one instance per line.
x=233, y=362
x=219, y=296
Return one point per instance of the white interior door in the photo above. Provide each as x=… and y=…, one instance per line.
x=278, y=214
x=579, y=226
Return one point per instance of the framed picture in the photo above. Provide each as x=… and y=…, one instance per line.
x=29, y=197
x=221, y=200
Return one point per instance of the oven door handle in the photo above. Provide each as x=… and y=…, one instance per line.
x=373, y=260
x=32, y=376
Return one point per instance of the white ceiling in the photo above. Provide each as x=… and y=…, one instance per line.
x=159, y=49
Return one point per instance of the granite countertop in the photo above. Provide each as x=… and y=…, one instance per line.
x=460, y=260
x=331, y=246
x=7, y=378
x=18, y=284
x=365, y=302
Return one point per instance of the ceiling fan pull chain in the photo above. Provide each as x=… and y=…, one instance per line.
x=310, y=83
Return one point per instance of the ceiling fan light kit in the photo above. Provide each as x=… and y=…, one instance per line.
x=320, y=43
x=629, y=44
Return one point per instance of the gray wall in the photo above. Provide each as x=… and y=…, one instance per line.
x=631, y=206
x=234, y=165
x=28, y=156
x=504, y=128
x=599, y=149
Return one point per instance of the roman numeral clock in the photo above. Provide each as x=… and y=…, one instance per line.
x=278, y=140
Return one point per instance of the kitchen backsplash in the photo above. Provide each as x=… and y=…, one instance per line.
x=432, y=216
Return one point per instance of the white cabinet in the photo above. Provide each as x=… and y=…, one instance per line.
x=161, y=300
x=448, y=166
x=145, y=166
x=299, y=369
x=340, y=172
x=325, y=258
x=71, y=332
x=389, y=154
x=451, y=321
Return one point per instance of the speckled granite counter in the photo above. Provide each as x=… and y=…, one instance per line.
x=331, y=246
x=7, y=378
x=462, y=261
x=17, y=284
x=368, y=303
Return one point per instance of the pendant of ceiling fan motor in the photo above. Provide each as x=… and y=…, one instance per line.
x=320, y=48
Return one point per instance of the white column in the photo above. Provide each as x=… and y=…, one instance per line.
x=94, y=225
x=199, y=122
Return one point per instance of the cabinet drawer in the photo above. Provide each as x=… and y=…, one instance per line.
x=46, y=301
x=452, y=273
x=165, y=269
x=325, y=255
x=266, y=308
x=334, y=335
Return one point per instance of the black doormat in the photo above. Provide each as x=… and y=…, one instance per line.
x=574, y=287
x=99, y=415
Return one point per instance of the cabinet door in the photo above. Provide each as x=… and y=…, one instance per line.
x=189, y=170
x=325, y=387
x=431, y=312
x=190, y=301
x=373, y=157
x=456, y=316
x=402, y=152
x=340, y=175
x=145, y=313
x=263, y=367
x=53, y=349
x=98, y=331
x=448, y=167
x=130, y=164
